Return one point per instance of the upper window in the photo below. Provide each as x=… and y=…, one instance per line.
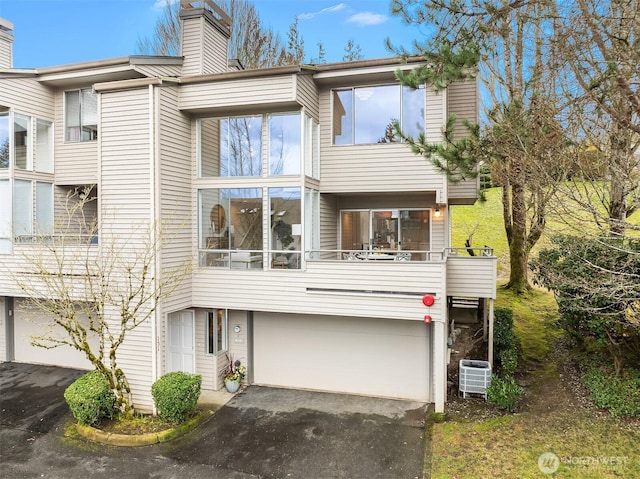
x=23, y=153
x=241, y=147
x=364, y=115
x=284, y=144
x=81, y=115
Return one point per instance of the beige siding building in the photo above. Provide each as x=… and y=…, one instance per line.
x=309, y=237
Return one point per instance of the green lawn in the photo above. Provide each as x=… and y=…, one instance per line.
x=588, y=443
x=484, y=221
x=551, y=420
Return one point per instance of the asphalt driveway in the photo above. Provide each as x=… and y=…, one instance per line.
x=261, y=433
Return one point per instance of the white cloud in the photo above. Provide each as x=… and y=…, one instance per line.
x=366, y=19
x=334, y=8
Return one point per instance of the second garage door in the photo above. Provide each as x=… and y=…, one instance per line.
x=376, y=357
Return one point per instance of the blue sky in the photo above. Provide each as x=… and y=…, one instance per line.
x=56, y=32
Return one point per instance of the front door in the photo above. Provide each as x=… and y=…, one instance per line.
x=182, y=342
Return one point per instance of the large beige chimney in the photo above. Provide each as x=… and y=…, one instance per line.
x=6, y=43
x=206, y=29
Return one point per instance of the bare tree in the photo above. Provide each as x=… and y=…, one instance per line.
x=254, y=44
x=598, y=47
x=94, y=295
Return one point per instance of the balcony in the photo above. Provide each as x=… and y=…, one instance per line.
x=331, y=283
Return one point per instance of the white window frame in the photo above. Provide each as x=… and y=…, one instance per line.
x=92, y=137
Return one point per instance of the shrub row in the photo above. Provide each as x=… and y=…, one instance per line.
x=175, y=395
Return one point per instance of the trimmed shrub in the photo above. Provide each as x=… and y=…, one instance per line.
x=176, y=395
x=508, y=359
x=503, y=335
x=504, y=393
x=90, y=398
x=505, y=341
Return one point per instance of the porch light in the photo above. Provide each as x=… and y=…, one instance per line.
x=437, y=212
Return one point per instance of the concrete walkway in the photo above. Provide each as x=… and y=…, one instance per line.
x=259, y=433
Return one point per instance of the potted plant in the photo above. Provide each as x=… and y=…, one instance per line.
x=233, y=374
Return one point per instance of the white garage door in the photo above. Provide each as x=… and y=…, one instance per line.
x=28, y=323
x=376, y=357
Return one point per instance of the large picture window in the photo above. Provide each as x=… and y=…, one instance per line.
x=364, y=115
x=286, y=227
x=81, y=115
x=235, y=146
x=387, y=231
x=230, y=227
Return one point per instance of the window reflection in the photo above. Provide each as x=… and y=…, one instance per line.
x=286, y=227
x=230, y=227
x=284, y=144
x=365, y=115
x=241, y=146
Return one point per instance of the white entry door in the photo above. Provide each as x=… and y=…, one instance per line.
x=182, y=342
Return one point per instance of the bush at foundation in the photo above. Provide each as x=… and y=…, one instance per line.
x=176, y=395
x=90, y=399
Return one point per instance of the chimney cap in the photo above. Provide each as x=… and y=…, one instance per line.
x=218, y=13
x=5, y=25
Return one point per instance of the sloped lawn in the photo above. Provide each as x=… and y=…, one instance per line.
x=555, y=424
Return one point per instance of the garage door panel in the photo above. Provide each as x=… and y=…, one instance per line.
x=357, y=355
x=28, y=323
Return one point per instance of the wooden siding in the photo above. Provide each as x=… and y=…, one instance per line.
x=27, y=96
x=206, y=364
x=389, y=167
x=307, y=95
x=472, y=277
x=462, y=101
x=251, y=95
x=344, y=288
x=214, y=50
x=435, y=112
x=159, y=70
x=126, y=212
x=329, y=221
x=192, y=45
x=6, y=50
x=177, y=210
x=76, y=163
x=204, y=47
x=15, y=267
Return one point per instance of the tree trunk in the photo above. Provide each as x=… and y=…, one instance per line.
x=515, y=222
